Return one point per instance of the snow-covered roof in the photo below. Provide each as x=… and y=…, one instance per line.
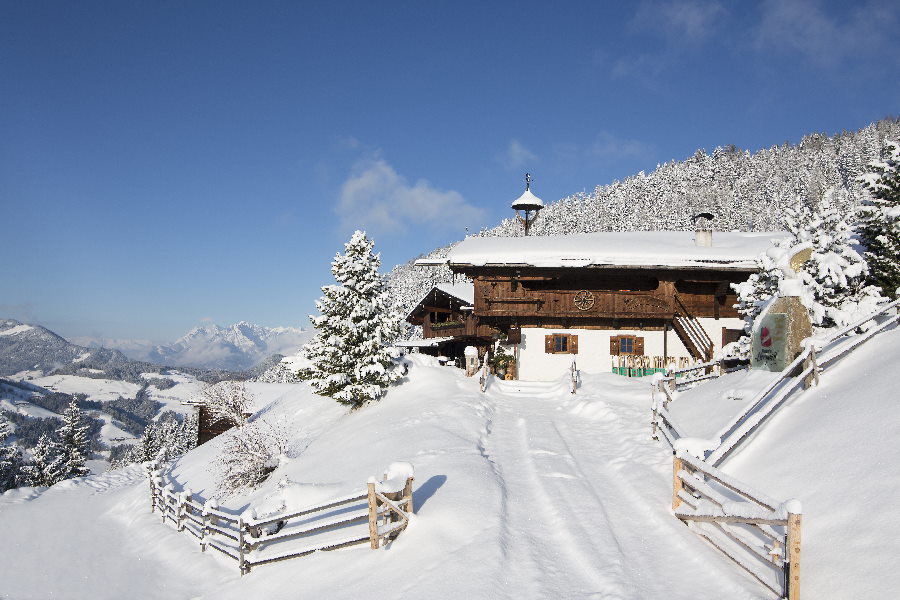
x=527, y=201
x=640, y=249
x=423, y=343
x=462, y=291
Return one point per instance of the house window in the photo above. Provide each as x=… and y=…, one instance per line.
x=626, y=344
x=561, y=343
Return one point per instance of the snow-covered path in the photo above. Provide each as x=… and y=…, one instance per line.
x=585, y=495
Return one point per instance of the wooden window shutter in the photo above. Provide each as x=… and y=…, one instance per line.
x=639, y=345
x=573, y=344
x=548, y=344
x=614, y=345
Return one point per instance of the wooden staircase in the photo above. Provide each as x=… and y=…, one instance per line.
x=691, y=333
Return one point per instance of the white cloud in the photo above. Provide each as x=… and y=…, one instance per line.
x=376, y=198
x=680, y=20
x=806, y=27
x=517, y=155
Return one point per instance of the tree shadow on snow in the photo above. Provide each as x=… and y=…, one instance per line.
x=427, y=490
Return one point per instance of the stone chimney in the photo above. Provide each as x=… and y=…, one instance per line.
x=703, y=235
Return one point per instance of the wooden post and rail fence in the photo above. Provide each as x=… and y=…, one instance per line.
x=759, y=534
x=384, y=507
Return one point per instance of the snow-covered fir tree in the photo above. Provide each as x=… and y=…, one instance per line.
x=74, y=444
x=10, y=459
x=752, y=296
x=879, y=227
x=350, y=355
x=835, y=274
x=169, y=435
x=46, y=466
x=834, y=277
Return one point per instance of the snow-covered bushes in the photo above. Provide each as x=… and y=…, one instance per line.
x=249, y=456
x=351, y=357
x=227, y=400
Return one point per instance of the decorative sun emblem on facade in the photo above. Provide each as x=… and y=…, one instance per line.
x=584, y=300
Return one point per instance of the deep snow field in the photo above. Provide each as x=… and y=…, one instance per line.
x=525, y=491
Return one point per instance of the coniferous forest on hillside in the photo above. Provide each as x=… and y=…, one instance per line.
x=744, y=191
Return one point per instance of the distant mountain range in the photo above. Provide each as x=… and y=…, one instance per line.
x=238, y=347
x=26, y=347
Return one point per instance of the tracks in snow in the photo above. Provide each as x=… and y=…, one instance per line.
x=584, y=502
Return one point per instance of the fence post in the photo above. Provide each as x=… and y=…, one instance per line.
x=373, y=514
x=166, y=492
x=204, y=530
x=677, y=484
x=792, y=565
x=407, y=495
x=242, y=563
x=812, y=378
x=153, y=491
x=181, y=508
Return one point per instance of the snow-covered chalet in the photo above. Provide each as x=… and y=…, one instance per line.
x=600, y=297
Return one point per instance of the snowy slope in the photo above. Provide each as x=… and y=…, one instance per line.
x=523, y=492
x=836, y=449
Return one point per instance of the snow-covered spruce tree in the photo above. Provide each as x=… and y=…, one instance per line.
x=170, y=434
x=73, y=441
x=879, y=227
x=752, y=295
x=350, y=355
x=46, y=466
x=834, y=276
x=10, y=459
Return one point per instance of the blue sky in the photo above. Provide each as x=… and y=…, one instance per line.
x=168, y=164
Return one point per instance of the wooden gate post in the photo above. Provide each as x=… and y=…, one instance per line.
x=792, y=571
x=407, y=495
x=373, y=515
x=677, y=484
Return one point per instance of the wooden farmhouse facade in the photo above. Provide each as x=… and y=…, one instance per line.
x=604, y=297
x=447, y=317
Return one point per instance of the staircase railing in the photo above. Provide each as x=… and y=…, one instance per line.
x=691, y=332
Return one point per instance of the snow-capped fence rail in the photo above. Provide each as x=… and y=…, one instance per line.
x=761, y=535
x=374, y=515
x=817, y=357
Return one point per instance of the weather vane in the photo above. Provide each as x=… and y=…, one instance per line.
x=527, y=181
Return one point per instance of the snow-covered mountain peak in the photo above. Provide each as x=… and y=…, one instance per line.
x=235, y=347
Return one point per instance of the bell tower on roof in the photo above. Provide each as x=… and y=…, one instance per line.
x=529, y=204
